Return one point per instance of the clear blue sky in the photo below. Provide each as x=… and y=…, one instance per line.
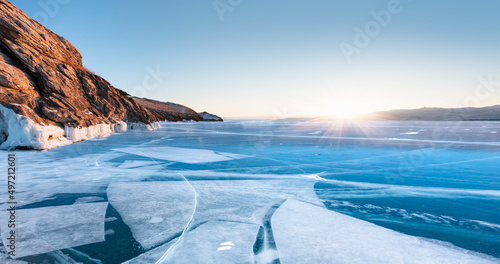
x=284, y=58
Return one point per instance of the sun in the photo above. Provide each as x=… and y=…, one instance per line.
x=347, y=110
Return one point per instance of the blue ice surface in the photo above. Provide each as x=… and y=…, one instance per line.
x=439, y=180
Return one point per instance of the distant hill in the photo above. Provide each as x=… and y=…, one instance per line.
x=490, y=113
x=167, y=111
x=210, y=117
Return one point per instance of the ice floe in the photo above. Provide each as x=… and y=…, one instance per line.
x=46, y=229
x=211, y=242
x=144, y=207
x=158, y=212
x=215, y=242
x=247, y=200
x=246, y=192
x=79, y=175
x=306, y=232
x=184, y=155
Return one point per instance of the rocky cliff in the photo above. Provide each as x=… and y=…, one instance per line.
x=48, y=98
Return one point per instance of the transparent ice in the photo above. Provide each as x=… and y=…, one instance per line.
x=265, y=192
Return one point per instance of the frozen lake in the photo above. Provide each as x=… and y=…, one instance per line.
x=264, y=192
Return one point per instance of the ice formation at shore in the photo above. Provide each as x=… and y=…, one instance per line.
x=20, y=131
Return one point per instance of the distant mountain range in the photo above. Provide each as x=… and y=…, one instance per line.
x=490, y=113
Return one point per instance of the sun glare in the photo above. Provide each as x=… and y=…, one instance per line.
x=348, y=110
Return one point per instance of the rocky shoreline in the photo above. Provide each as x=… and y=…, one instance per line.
x=48, y=98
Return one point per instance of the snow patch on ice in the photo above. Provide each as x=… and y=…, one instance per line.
x=224, y=248
x=411, y=133
x=155, y=220
x=228, y=243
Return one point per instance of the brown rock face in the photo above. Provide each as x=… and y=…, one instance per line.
x=42, y=78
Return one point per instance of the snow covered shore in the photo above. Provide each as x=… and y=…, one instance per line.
x=20, y=131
